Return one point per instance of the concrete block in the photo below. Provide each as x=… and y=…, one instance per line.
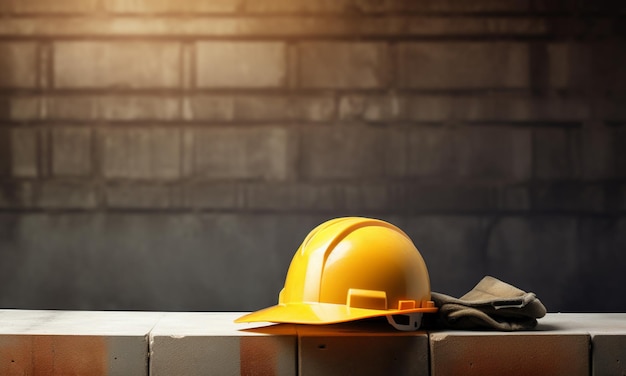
x=285, y=197
x=442, y=25
x=397, y=144
x=6, y=152
x=431, y=152
x=369, y=197
x=519, y=353
x=602, y=240
x=342, y=152
x=139, y=196
x=123, y=64
x=213, y=196
x=429, y=108
x=608, y=337
x=241, y=64
x=591, y=65
x=394, y=25
x=611, y=110
x=609, y=58
x=53, y=355
x=18, y=64
x=24, y=152
x=44, y=60
x=16, y=194
x=71, y=107
x=609, y=354
x=542, y=254
x=113, y=107
x=165, y=6
x=535, y=110
x=297, y=6
x=371, y=107
x=75, y=342
x=454, y=6
x=488, y=108
x=514, y=198
x=141, y=153
x=452, y=247
x=209, y=107
x=568, y=197
x=430, y=65
x=66, y=195
x=117, y=107
x=19, y=108
x=187, y=63
x=615, y=197
x=468, y=152
x=139, y=260
x=210, y=343
x=56, y=7
x=556, y=153
x=562, y=68
x=25, y=108
x=369, y=6
x=620, y=152
x=302, y=107
x=476, y=147
x=361, y=349
x=597, y=154
x=445, y=198
x=242, y=153
x=555, y=6
x=342, y=65
x=71, y=151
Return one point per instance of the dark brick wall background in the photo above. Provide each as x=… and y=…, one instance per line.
x=171, y=155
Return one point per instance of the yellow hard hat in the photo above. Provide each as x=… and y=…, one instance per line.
x=353, y=268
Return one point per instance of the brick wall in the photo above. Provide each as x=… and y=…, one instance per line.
x=173, y=154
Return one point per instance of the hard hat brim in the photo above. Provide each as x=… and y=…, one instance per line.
x=320, y=313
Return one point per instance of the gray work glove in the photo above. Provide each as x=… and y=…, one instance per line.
x=491, y=304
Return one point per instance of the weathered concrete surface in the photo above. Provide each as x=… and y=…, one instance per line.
x=511, y=354
x=210, y=343
x=198, y=343
x=147, y=262
x=225, y=261
x=608, y=338
x=365, y=348
x=73, y=342
x=167, y=155
x=563, y=344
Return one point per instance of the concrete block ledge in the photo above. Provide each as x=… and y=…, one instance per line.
x=209, y=343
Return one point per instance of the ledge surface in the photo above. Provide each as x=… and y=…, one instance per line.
x=195, y=343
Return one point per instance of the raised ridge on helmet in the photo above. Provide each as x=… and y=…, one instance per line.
x=348, y=269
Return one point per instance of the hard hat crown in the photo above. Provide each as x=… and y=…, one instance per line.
x=351, y=268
